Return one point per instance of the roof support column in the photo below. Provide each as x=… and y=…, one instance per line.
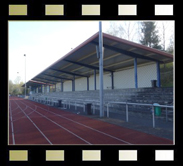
x=112, y=80
x=49, y=88
x=158, y=74
x=87, y=83
x=101, y=70
x=62, y=85
x=55, y=87
x=42, y=86
x=135, y=73
x=95, y=85
x=73, y=83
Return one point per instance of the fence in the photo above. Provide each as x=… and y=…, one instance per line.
x=140, y=104
x=67, y=103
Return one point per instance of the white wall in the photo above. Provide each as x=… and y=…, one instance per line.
x=107, y=81
x=146, y=74
x=126, y=78
x=122, y=79
x=67, y=86
x=47, y=88
x=58, y=87
x=81, y=84
x=91, y=82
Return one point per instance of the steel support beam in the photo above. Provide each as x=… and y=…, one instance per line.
x=73, y=84
x=135, y=73
x=47, y=82
x=112, y=80
x=95, y=82
x=46, y=79
x=70, y=73
x=85, y=65
x=87, y=83
x=128, y=53
x=57, y=77
x=158, y=75
x=62, y=86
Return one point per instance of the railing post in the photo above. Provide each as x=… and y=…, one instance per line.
x=166, y=115
x=93, y=108
x=153, y=116
x=84, y=107
x=126, y=111
x=108, y=110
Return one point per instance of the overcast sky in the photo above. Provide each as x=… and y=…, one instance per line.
x=44, y=42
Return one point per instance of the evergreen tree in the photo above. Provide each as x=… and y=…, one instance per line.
x=150, y=36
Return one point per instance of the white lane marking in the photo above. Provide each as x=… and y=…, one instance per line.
x=23, y=116
x=88, y=127
x=61, y=126
x=12, y=128
x=18, y=113
x=14, y=109
x=34, y=124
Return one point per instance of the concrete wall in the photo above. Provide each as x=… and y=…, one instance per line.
x=58, y=87
x=67, y=86
x=91, y=82
x=122, y=79
x=45, y=89
x=146, y=74
x=81, y=84
x=125, y=78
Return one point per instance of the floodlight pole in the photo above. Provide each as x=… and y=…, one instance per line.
x=25, y=75
x=101, y=69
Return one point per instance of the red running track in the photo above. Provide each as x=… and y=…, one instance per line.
x=35, y=123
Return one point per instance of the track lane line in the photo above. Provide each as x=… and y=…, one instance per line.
x=12, y=128
x=22, y=117
x=88, y=127
x=60, y=125
x=35, y=125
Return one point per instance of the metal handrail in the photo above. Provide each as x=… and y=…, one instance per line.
x=128, y=103
x=68, y=101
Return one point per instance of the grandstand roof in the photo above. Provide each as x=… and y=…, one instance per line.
x=82, y=60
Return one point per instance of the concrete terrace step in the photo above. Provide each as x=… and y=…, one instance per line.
x=140, y=95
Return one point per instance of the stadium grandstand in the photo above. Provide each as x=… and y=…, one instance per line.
x=131, y=73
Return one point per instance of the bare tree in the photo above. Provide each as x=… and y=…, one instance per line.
x=170, y=48
x=17, y=80
x=166, y=30
x=124, y=29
